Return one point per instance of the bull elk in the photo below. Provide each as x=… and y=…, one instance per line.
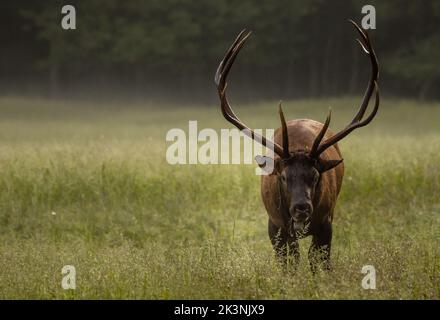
x=300, y=192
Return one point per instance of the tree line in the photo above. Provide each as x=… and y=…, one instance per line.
x=170, y=48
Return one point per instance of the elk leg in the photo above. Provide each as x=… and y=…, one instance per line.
x=319, y=252
x=285, y=246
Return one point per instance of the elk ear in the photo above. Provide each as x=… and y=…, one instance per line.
x=325, y=165
x=267, y=164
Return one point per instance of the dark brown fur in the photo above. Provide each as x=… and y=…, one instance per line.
x=302, y=133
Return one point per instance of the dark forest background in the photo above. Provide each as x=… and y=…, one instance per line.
x=169, y=49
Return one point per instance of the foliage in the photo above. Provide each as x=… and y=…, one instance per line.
x=299, y=48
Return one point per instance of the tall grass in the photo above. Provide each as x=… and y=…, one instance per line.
x=89, y=186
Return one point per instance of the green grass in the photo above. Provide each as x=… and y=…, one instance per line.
x=89, y=186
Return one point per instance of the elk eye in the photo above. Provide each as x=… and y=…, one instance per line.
x=283, y=178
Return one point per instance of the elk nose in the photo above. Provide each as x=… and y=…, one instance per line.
x=303, y=207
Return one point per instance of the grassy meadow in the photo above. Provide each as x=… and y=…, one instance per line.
x=88, y=185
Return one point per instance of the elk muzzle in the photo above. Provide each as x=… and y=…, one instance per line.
x=300, y=217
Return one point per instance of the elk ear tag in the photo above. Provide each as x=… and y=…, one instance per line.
x=266, y=164
x=325, y=165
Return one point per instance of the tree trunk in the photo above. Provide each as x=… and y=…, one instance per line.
x=54, y=79
x=354, y=79
x=424, y=90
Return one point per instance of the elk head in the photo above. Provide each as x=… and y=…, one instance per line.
x=299, y=171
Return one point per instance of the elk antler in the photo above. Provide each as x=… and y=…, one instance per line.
x=357, y=121
x=220, y=80
x=286, y=154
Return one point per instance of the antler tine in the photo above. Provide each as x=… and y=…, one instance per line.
x=285, y=133
x=223, y=70
x=359, y=29
x=368, y=49
x=220, y=80
x=226, y=67
x=321, y=134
